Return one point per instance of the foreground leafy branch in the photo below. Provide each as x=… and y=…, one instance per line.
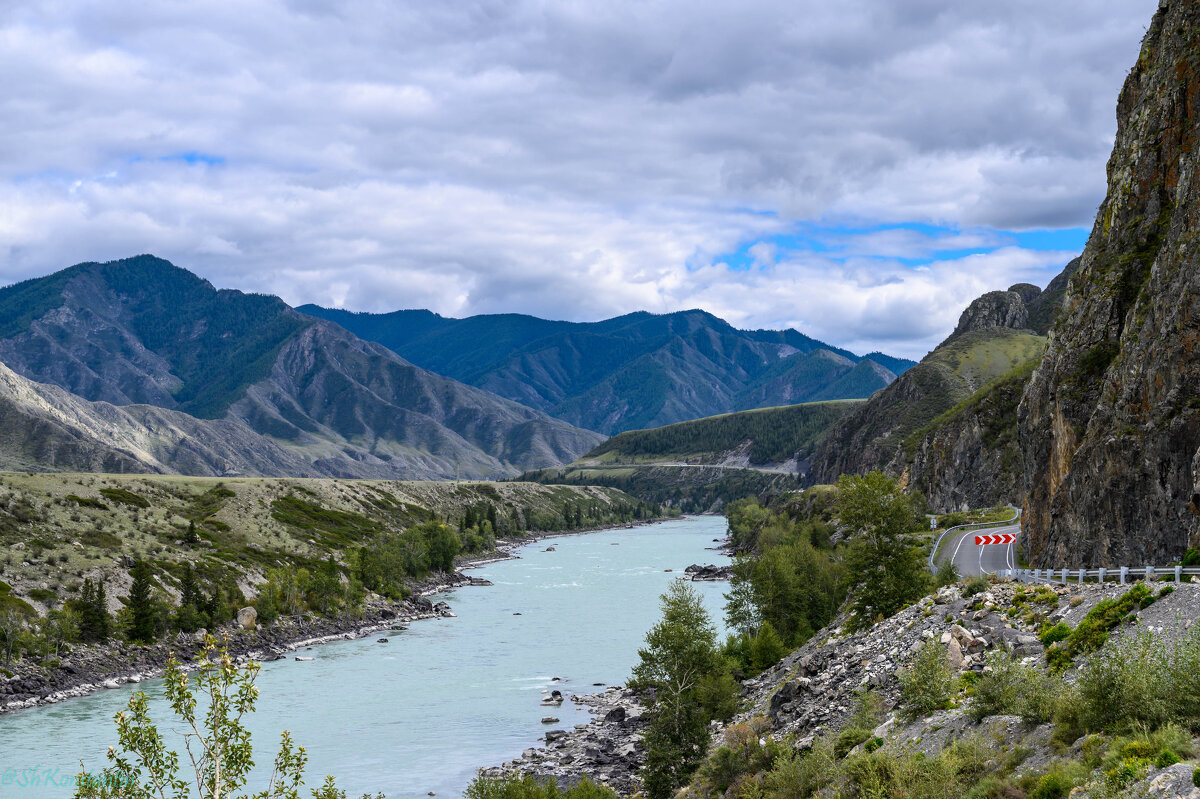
x=217, y=743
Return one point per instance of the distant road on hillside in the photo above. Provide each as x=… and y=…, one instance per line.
x=972, y=560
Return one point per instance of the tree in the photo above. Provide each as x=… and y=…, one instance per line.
x=325, y=588
x=442, y=545
x=190, y=537
x=58, y=628
x=218, y=746
x=13, y=619
x=143, y=622
x=887, y=570
x=92, y=607
x=691, y=685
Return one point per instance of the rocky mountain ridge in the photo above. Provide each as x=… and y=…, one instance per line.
x=635, y=371
x=144, y=332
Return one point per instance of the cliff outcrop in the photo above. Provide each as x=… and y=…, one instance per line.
x=1110, y=422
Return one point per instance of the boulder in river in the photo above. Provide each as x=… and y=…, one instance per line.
x=555, y=698
x=381, y=641
x=549, y=719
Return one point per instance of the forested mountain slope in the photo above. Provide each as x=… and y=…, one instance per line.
x=635, y=371
x=767, y=437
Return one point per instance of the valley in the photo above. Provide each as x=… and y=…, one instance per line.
x=660, y=555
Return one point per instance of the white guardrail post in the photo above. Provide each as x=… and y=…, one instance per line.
x=1149, y=574
x=1178, y=575
x=1100, y=575
x=1124, y=574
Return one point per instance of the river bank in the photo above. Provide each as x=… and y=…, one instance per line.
x=90, y=668
x=425, y=710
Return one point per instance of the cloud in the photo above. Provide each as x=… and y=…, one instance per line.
x=568, y=159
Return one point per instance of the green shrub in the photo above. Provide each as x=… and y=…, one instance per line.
x=976, y=585
x=1191, y=557
x=1124, y=684
x=1014, y=688
x=1196, y=777
x=947, y=574
x=125, y=497
x=926, y=684
x=849, y=738
x=87, y=502
x=1058, y=632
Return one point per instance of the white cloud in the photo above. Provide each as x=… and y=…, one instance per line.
x=568, y=159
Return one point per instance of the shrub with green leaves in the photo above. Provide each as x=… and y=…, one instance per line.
x=221, y=754
x=976, y=585
x=927, y=684
x=527, y=787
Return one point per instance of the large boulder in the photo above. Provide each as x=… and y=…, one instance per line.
x=247, y=617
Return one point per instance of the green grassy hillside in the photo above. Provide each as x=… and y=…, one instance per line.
x=767, y=435
x=57, y=529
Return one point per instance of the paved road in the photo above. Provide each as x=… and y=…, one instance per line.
x=971, y=560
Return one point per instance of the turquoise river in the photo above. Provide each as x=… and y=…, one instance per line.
x=441, y=699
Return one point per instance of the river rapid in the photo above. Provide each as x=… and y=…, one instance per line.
x=422, y=712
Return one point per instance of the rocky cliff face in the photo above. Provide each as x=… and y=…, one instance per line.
x=969, y=458
x=48, y=428
x=1110, y=423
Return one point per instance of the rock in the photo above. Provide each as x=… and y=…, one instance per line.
x=954, y=655
x=1025, y=646
x=549, y=719
x=555, y=698
x=1108, y=430
x=617, y=714
x=247, y=617
x=709, y=573
x=381, y=640
x=555, y=735
x=302, y=658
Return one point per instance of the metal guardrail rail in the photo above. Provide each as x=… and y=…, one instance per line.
x=975, y=526
x=1121, y=574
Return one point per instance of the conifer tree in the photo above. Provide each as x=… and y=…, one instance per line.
x=141, y=604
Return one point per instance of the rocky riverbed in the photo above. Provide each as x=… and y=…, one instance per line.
x=607, y=749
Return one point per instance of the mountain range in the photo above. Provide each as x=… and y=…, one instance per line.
x=266, y=389
x=138, y=365
x=631, y=372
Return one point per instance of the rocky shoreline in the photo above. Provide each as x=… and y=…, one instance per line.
x=87, y=669
x=607, y=749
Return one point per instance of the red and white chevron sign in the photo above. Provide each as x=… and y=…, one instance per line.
x=1002, y=538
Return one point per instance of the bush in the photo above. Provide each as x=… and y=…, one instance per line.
x=947, y=574
x=124, y=497
x=1126, y=683
x=1052, y=635
x=976, y=585
x=527, y=787
x=926, y=684
x=1012, y=687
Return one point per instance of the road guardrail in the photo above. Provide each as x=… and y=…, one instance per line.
x=1120, y=574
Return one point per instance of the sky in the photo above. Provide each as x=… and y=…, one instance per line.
x=859, y=170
